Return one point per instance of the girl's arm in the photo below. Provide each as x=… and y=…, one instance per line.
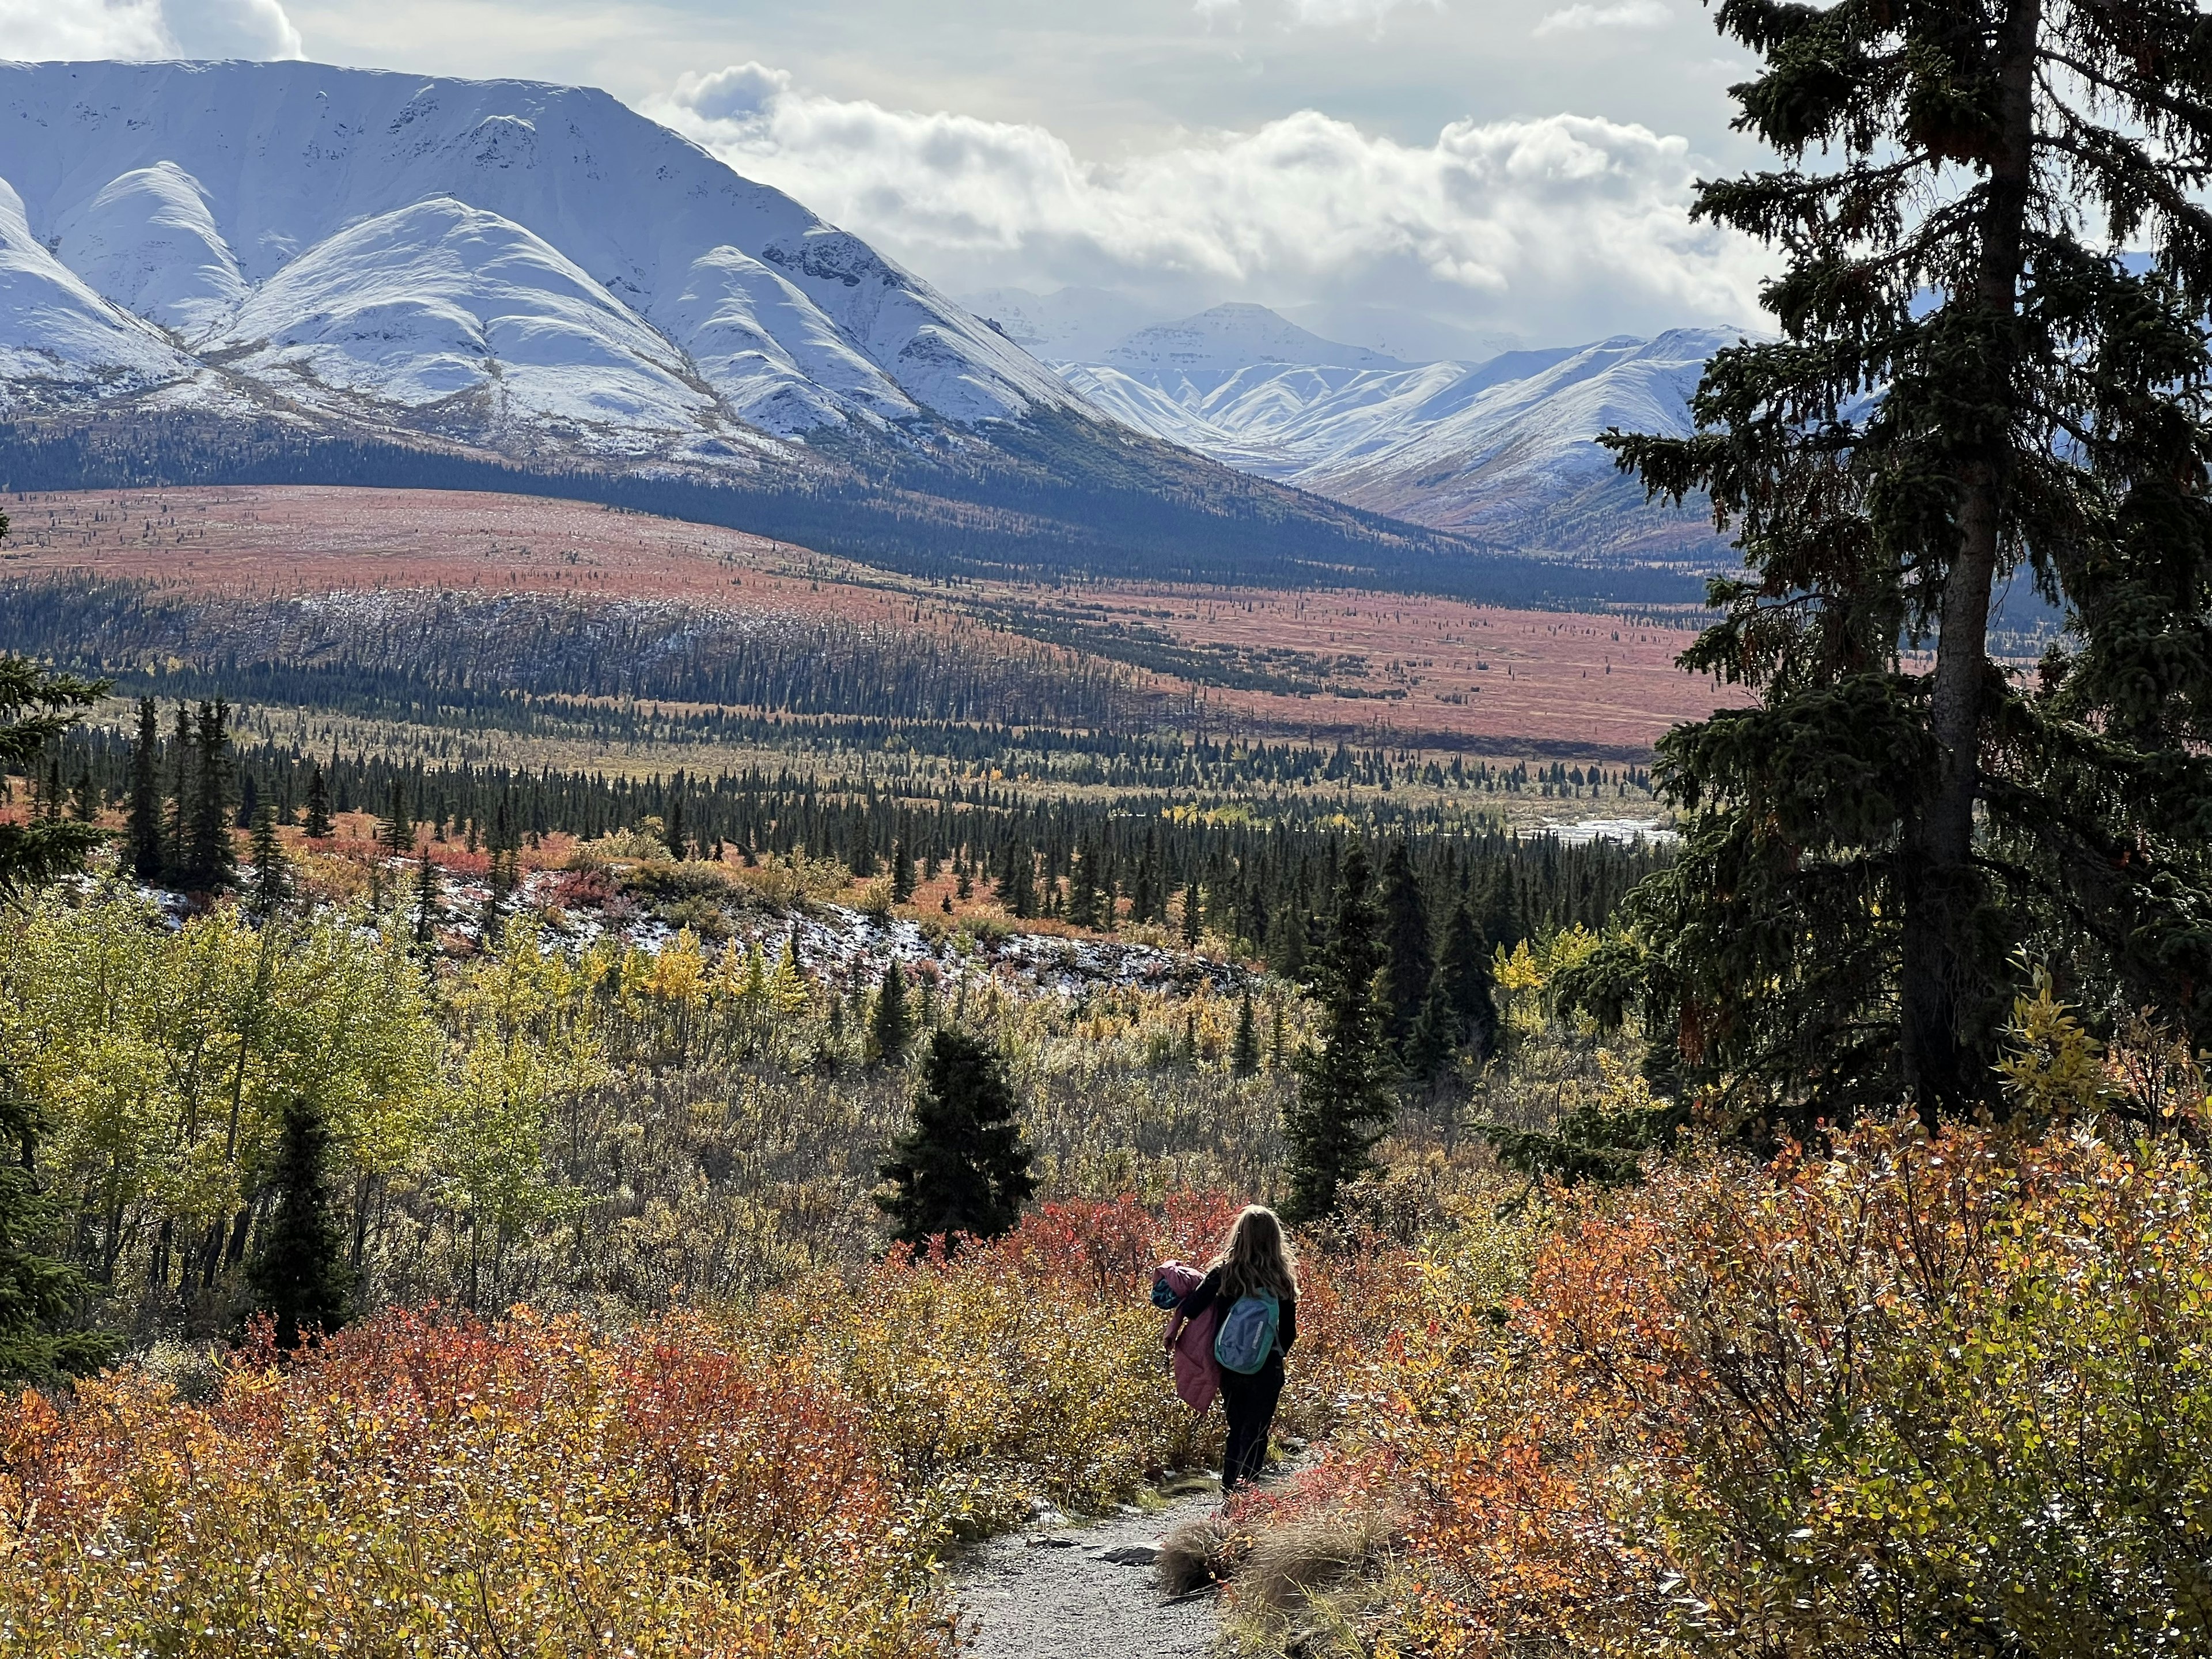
x=1287, y=1324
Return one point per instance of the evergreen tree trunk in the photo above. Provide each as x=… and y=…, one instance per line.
x=1937, y=969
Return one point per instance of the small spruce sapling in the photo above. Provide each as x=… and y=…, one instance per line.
x=298, y=1275
x=963, y=1167
x=272, y=871
x=319, y=823
x=891, y=1027
x=1244, y=1053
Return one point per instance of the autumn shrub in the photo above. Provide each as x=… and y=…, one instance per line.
x=1032, y=1366
x=430, y=1486
x=1943, y=1395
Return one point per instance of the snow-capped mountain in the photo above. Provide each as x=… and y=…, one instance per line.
x=503, y=261
x=1502, y=448
x=246, y=272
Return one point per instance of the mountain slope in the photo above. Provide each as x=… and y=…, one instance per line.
x=175, y=189
x=287, y=272
x=1502, y=449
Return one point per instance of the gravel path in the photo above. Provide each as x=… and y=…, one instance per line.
x=1051, y=1592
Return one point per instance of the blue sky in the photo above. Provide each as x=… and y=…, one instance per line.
x=1414, y=173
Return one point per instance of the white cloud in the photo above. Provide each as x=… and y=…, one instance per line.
x=1318, y=14
x=32, y=29
x=232, y=29
x=1560, y=227
x=1332, y=12
x=1625, y=15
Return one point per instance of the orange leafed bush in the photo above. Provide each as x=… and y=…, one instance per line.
x=1918, y=1395
x=774, y=1481
x=1032, y=1366
x=432, y=1485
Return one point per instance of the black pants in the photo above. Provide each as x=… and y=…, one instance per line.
x=1248, y=1403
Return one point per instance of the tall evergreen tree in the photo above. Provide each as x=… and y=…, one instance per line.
x=963, y=1167
x=298, y=1273
x=395, y=831
x=1244, y=1053
x=890, y=1025
x=39, y=1294
x=1344, y=1100
x=177, y=828
x=428, y=911
x=210, y=861
x=1083, y=899
x=1194, y=917
x=35, y=708
x=902, y=872
x=272, y=871
x=1408, y=959
x=143, y=826
x=319, y=823
x=1460, y=1014
x=1977, y=374
x=1017, y=885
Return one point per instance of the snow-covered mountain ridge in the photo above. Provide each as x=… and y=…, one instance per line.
x=1503, y=448
x=286, y=272
x=517, y=263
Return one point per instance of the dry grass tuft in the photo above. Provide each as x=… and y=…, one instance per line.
x=1303, y=1586
x=1195, y=1555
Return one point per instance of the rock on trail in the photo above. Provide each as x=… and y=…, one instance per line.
x=1085, y=1590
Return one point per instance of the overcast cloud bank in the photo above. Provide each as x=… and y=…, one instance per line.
x=141, y=30
x=1542, y=229
x=1554, y=229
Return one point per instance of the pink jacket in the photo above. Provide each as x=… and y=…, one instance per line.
x=1197, y=1374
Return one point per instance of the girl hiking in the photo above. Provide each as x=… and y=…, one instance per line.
x=1251, y=1292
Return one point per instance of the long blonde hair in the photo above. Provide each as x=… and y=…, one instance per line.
x=1255, y=1257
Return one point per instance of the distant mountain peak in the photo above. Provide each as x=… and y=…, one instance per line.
x=1234, y=336
x=1505, y=449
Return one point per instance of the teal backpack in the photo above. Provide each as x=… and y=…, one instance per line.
x=1247, y=1334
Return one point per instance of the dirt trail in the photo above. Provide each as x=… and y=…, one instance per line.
x=1053, y=1592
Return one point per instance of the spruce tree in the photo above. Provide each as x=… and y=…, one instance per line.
x=319, y=805
x=1992, y=366
x=299, y=1273
x=177, y=825
x=1083, y=889
x=35, y=708
x=1017, y=886
x=963, y=1167
x=1408, y=961
x=891, y=1026
x=1194, y=916
x=1344, y=1100
x=143, y=833
x=1462, y=990
x=902, y=872
x=272, y=871
x=211, y=860
x=1244, y=1053
x=428, y=912
x=39, y=1294
x=674, y=831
